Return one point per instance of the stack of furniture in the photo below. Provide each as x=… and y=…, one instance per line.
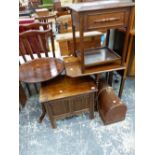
x=63, y=94
x=99, y=16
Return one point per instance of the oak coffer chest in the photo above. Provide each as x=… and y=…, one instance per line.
x=66, y=96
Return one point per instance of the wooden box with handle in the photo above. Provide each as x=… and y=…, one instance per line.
x=111, y=108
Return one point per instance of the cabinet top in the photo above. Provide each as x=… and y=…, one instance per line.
x=100, y=5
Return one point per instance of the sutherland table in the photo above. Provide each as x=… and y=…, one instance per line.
x=40, y=70
x=102, y=16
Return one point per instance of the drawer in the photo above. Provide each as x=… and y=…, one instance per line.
x=106, y=19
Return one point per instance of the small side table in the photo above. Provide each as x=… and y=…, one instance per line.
x=66, y=96
x=40, y=70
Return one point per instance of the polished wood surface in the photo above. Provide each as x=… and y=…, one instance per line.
x=36, y=42
x=73, y=68
x=100, y=15
x=64, y=86
x=103, y=16
x=40, y=70
x=111, y=108
x=66, y=96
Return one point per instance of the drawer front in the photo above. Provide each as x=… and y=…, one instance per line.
x=106, y=19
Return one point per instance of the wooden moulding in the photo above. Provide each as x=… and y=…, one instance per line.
x=111, y=108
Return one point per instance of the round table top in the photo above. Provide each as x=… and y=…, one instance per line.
x=40, y=70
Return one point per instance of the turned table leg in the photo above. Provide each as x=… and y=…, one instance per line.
x=123, y=78
x=97, y=80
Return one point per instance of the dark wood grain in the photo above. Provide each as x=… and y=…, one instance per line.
x=39, y=70
x=22, y=95
x=66, y=96
x=35, y=41
x=73, y=68
x=64, y=86
x=103, y=16
x=111, y=108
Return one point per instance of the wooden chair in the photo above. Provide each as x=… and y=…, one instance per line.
x=46, y=19
x=35, y=44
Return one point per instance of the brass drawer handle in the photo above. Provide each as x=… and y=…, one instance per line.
x=106, y=20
